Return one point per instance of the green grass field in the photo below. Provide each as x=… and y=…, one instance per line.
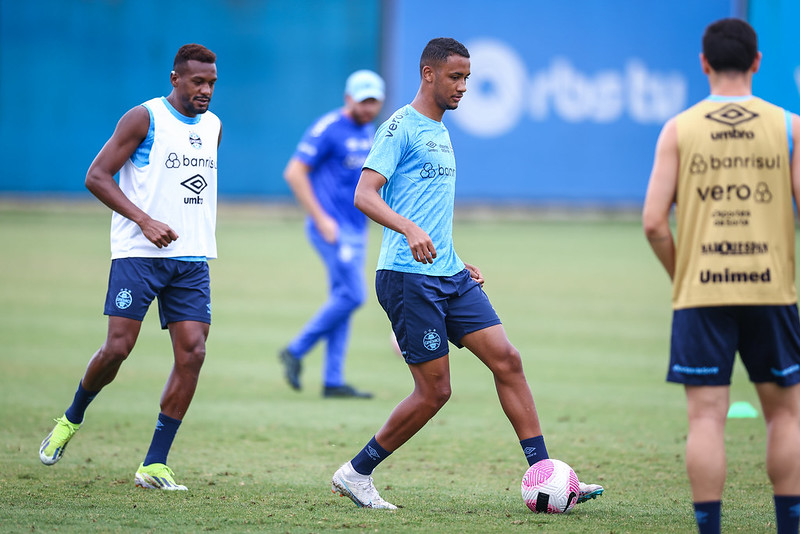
x=584, y=301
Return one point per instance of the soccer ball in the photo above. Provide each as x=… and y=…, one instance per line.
x=550, y=486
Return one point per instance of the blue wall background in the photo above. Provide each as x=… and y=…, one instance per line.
x=70, y=69
x=564, y=104
x=775, y=21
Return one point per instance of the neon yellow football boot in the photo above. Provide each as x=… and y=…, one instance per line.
x=157, y=476
x=55, y=443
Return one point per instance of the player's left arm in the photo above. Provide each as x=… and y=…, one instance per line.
x=660, y=196
x=475, y=273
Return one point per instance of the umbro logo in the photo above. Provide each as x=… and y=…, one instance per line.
x=731, y=115
x=372, y=453
x=195, y=184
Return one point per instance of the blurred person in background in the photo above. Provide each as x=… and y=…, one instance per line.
x=322, y=174
x=162, y=234
x=731, y=167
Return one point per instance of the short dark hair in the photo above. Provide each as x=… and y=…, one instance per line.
x=730, y=45
x=193, y=51
x=439, y=49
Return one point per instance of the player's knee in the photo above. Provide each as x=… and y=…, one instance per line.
x=508, y=362
x=437, y=396
x=444, y=395
x=785, y=413
x=193, y=357
x=782, y=425
x=352, y=300
x=110, y=357
x=115, y=350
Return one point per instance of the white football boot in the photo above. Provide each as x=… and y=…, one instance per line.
x=359, y=488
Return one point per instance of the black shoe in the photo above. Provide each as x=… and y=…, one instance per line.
x=291, y=368
x=345, y=391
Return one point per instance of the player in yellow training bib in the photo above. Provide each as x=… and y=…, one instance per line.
x=730, y=166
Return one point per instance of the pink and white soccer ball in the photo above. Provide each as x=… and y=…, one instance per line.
x=550, y=486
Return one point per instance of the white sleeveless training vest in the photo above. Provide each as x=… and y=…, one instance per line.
x=172, y=177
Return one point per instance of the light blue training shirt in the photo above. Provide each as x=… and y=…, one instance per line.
x=414, y=154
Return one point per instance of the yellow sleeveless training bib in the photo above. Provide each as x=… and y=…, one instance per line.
x=735, y=220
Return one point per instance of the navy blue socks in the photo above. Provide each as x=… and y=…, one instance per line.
x=534, y=449
x=79, y=404
x=708, y=515
x=166, y=428
x=370, y=456
x=787, y=513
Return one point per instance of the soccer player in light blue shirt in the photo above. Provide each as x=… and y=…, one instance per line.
x=430, y=296
x=323, y=173
x=415, y=152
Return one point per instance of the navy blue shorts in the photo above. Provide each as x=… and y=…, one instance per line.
x=428, y=311
x=705, y=342
x=182, y=288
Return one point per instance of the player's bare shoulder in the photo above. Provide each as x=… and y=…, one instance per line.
x=668, y=138
x=134, y=124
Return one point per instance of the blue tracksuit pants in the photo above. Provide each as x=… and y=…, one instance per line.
x=344, y=262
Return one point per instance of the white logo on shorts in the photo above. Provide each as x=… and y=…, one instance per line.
x=124, y=299
x=346, y=253
x=431, y=340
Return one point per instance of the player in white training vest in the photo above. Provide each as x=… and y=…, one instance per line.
x=162, y=234
x=173, y=178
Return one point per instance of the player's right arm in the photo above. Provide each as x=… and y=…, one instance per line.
x=368, y=199
x=131, y=130
x=296, y=175
x=795, y=167
x=660, y=196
